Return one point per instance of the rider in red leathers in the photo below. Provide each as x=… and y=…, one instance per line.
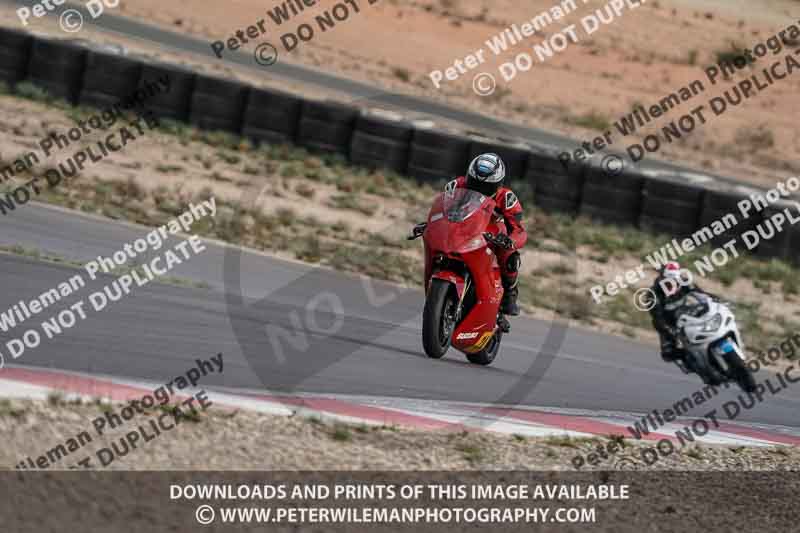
x=486, y=174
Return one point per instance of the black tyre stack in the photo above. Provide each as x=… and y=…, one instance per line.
x=381, y=143
x=57, y=67
x=721, y=200
x=436, y=156
x=271, y=116
x=172, y=103
x=217, y=104
x=611, y=196
x=557, y=187
x=109, y=79
x=785, y=244
x=15, y=49
x=326, y=126
x=671, y=205
x=793, y=240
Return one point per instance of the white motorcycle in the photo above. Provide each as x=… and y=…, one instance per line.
x=711, y=343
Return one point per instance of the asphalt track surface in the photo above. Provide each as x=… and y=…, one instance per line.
x=358, y=92
x=156, y=333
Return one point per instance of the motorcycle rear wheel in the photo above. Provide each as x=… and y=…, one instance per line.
x=438, y=318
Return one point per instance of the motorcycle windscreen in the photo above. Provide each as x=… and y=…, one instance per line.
x=464, y=217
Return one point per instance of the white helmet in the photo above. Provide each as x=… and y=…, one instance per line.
x=486, y=174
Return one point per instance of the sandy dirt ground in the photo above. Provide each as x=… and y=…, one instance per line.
x=641, y=56
x=255, y=441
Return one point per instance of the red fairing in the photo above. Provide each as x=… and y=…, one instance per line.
x=510, y=209
x=453, y=240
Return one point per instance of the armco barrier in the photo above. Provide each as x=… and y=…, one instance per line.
x=15, y=49
x=663, y=203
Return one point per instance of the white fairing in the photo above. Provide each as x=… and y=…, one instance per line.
x=698, y=333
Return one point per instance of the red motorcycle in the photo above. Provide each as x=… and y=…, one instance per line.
x=462, y=276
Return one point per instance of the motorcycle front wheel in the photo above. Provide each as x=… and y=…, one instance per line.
x=438, y=318
x=741, y=373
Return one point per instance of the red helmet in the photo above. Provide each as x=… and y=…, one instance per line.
x=671, y=270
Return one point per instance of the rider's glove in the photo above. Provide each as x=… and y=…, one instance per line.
x=504, y=241
x=418, y=230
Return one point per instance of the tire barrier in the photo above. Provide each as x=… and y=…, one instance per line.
x=57, y=67
x=784, y=244
x=326, y=126
x=720, y=201
x=15, y=50
x=660, y=203
x=556, y=188
x=670, y=205
x=792, y=250
x=611, y=198
x=109, y=78
x=271, y=116
x=381, y=143
x=217, y=104
x=437, y=156
x=173, y=104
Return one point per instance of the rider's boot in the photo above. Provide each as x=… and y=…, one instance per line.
x=669, y=352
x=503, y=324
x=508, y=305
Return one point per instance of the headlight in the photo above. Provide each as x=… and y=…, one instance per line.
x=474, y=244
x=713, y=324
